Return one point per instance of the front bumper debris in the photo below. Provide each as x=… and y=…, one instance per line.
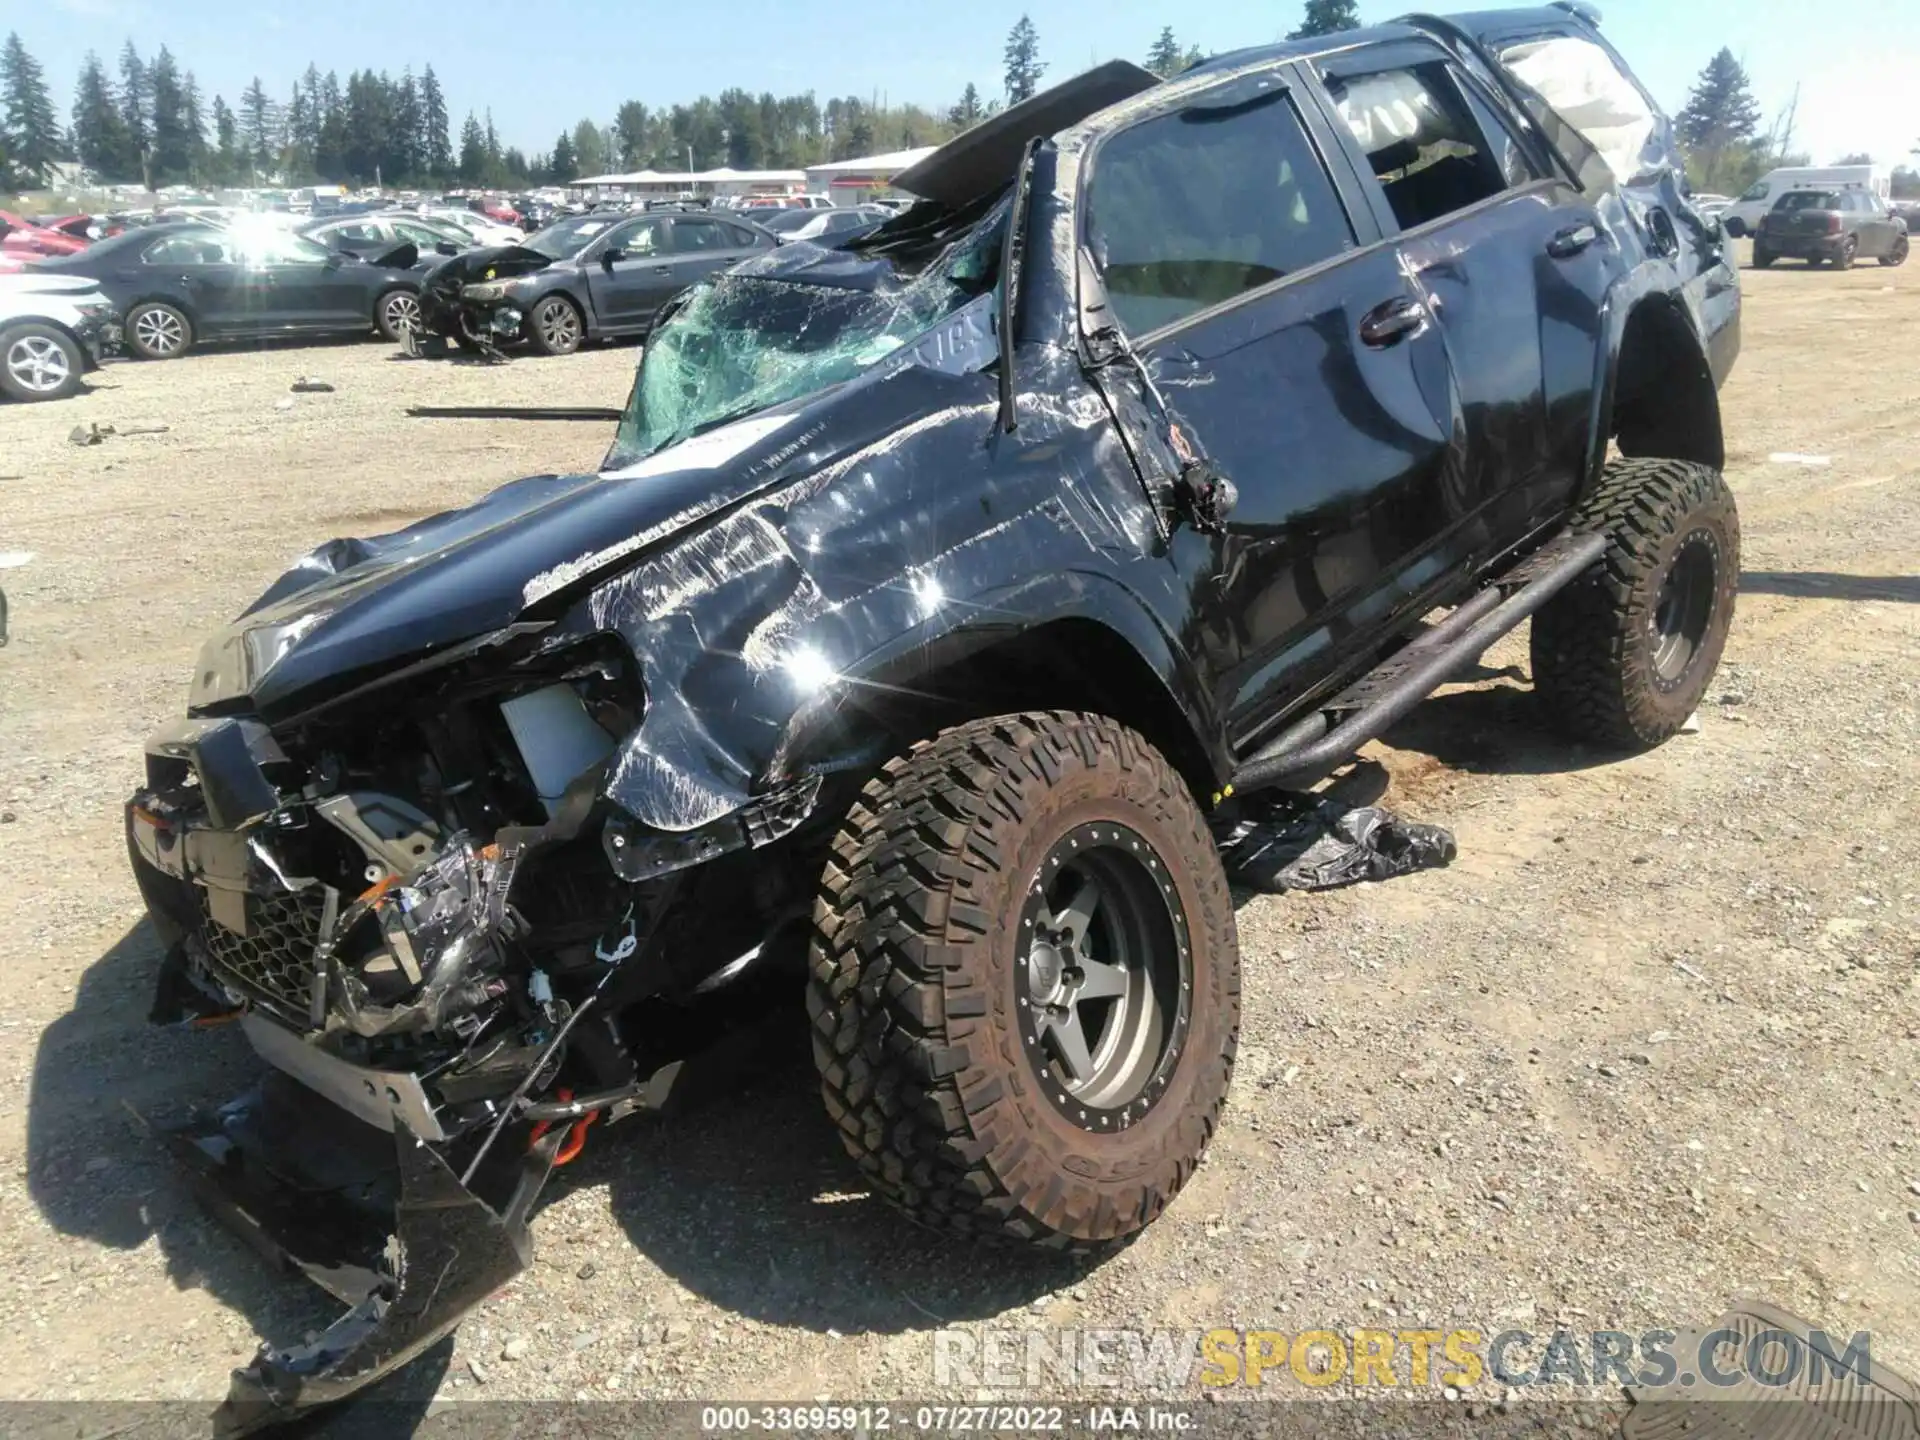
x=381, y=1222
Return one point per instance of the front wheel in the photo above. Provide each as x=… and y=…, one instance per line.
x=1898, y=254
x=1025, y=982
x=1622, y=656
x=554, y=327
x=39, y=362
x=1761, y=258
x=158, y=332
x=396, y=312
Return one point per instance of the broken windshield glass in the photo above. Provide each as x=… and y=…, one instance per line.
x=788, y=325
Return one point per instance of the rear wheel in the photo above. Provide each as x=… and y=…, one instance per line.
x=39, y=362
x=554, y=326
x=1622, y=656
x=395, y=312
x=1843, y=259
x=1898, y=254
x=158, y=332
x=1025, y=981
x=1762, y=257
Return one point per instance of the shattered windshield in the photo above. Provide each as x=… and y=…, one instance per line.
x=748, y=340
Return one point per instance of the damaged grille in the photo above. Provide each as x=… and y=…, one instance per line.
x=273, y=963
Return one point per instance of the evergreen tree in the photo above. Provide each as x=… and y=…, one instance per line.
x=1164, y=58
x=473, y=150
x=630, y=125
x=1192, y=58
x=1024, y=66
x=100, y=137
x=563, y=166
x=1327, y=17
x=1717, y=125
x=436, y=148
x=196, y=123
x=403, y=142
x=260, y=126
x=226, y=139
x=966, y=113
x=588, y=152
x=172, y=150
x=27, y=119
x=136, y=112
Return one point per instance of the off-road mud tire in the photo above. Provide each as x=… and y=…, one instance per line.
x=912, y=985
x=1593, y=647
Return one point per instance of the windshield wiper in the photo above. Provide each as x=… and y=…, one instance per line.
x=1012, y=253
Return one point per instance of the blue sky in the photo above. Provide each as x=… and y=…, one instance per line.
x=542, y=67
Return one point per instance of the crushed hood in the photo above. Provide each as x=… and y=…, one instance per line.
x=354, y=610
x=489, y=262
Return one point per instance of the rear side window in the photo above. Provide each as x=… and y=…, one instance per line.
x=698, y=235
x=1422, y=142
x=1189, y=210
x=188, y=250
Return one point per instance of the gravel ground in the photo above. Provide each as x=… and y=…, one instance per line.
x=1651, y=1044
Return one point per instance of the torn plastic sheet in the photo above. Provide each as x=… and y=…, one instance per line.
x=1282, y=840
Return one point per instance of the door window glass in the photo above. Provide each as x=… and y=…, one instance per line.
x=693, y=236
x=1420, y=140
x=351, y=230
x=201, y=249
x=637, y=237
x=1515, y=167
x=1190, y=210
x=270, y=249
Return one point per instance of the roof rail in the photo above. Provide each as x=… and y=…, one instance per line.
x=1588, y=13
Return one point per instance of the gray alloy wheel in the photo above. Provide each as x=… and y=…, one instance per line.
x=399, y=311
x=158, y=332
x=38, y=363
x=555, y=327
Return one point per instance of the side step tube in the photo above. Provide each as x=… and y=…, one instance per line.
x=1306, y=751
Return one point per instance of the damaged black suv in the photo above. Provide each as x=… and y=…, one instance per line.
x=935, y=590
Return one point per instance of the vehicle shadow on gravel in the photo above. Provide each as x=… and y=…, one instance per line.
x=101, y=1076
x=1494, y=729
x=749, y=1201
x=1825, y=585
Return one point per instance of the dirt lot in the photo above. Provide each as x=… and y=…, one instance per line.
x=1652, y=1043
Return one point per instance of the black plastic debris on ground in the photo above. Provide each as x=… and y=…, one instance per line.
x=1282, y=840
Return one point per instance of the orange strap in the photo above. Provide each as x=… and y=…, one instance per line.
x=576, y=1140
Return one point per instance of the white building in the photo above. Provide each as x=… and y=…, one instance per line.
x=850, y=182
x=665, y=184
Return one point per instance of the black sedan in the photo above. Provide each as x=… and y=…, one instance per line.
x=824, y=227
x=177, y=285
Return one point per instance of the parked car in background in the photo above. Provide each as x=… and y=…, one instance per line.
x=826, y=227
x=373, y=235
x=1837, y=226
x=484, y=231
x=1710, y=204
x=1743, y=216
x=25, y=240
x=584, y=278
x=179, y=285
x=53, y=329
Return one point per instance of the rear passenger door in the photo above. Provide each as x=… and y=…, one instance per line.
x=1287, y=342
x=703, y=244
x=1512, y=257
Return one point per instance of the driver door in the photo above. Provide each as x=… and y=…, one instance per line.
x=628, y=273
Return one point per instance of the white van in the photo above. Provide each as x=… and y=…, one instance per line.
x=1742, y=217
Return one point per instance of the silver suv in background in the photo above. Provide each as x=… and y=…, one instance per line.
x=53, y=329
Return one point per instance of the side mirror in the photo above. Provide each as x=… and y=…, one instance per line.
x=335, y=259
x=611, y=254
x=446, y=247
